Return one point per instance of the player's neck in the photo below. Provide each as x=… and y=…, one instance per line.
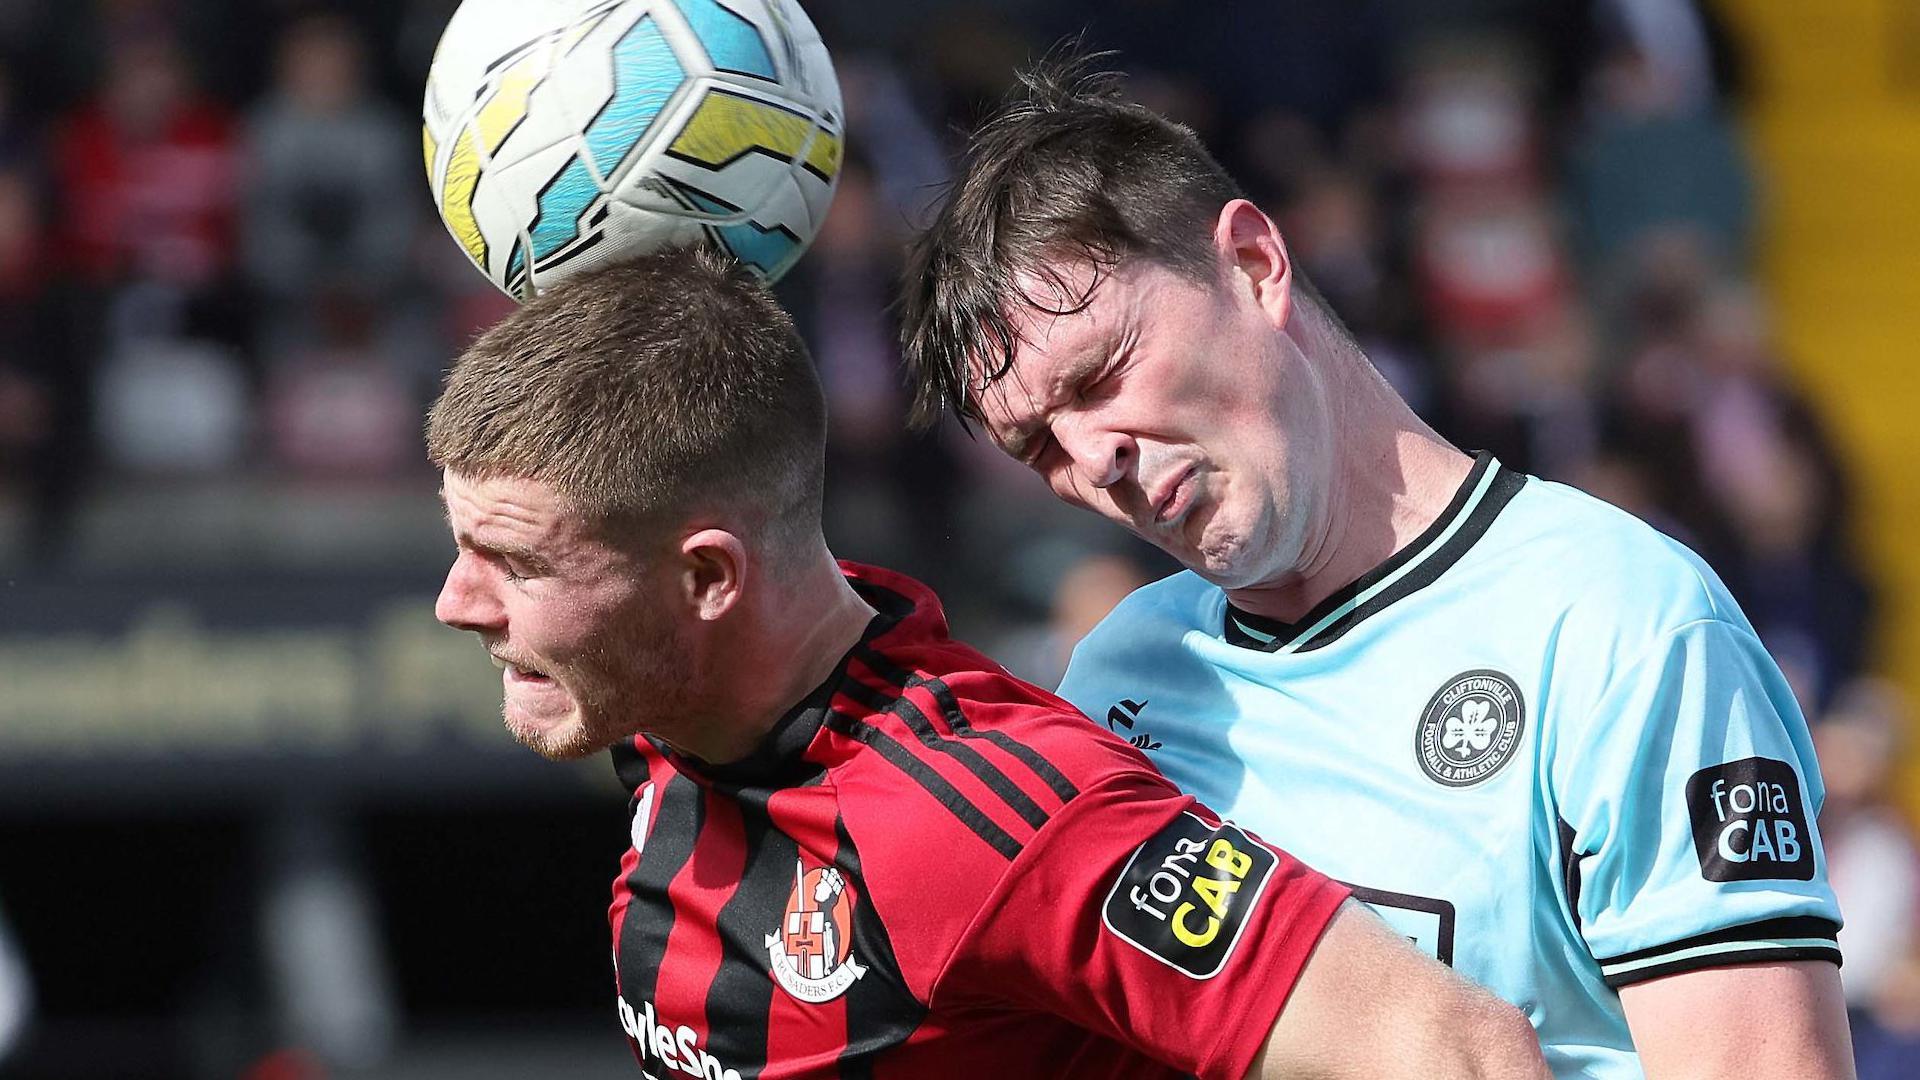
x=1389, y=490
x=796, y=640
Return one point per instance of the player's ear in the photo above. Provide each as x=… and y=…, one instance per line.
x=1250, y=245
x=712, y=572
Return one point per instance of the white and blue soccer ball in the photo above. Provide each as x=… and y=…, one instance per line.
x=566, y=134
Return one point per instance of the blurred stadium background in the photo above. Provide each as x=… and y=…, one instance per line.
x=257, y=817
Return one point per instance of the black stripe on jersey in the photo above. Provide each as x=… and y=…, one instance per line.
x=1434, y=562
x=742, y=991
x=1764, y=938
x=883, y=666
x=923, y=774
x=957, y=720
x=881, y=1010
x=649, y=918
x=629, y=765
x=930, y=737
x=1570, y=870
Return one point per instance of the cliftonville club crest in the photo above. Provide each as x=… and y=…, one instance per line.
x=812, y=952
x=1470, y=728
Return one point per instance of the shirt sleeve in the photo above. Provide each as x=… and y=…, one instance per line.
x=1687, y=803
x=1138, y=914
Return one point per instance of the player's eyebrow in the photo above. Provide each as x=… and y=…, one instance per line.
x=520, y=553
x=525, y=556
x=1086, y=362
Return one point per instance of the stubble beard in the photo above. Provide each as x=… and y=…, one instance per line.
x=623, y=685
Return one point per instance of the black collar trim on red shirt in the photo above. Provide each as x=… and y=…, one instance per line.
x=1485, y=492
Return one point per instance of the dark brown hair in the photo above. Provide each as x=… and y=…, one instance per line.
x=642, y=393
x=1064, y=170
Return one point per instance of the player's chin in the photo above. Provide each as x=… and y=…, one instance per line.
x=1202, y=542
x=1223, y=560
x=567, y=738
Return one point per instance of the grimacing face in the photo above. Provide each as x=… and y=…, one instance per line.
x=1175, y=408
x=587, y=656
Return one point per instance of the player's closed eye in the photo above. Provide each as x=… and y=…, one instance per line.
x=1103, y=383
x=515, y=569
x=1041, y=450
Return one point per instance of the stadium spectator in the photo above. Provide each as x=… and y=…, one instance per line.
x=327, y=165
x=1654, y=153
x=41, y=441
x=890, y=489
x=147, y=172
x=1888, y=1033
x=1086, y=589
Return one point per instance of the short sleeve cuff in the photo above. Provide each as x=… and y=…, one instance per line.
x=1773, y=941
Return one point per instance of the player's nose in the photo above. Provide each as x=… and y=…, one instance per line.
x=1101, y=457
x=465, y=602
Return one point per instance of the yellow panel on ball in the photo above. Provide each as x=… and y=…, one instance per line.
x=728, y=126
x=508, y=106
x=456, y=197
x=823, y=157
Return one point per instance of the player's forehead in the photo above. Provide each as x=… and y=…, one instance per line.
x=525, y=510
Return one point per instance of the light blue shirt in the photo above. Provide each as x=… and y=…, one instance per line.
x=1541, y=740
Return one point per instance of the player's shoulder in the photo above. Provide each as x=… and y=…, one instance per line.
x=1154, y=619
x=920, y=684
x=969, y=711
x=1627, y=612
x=1610, y=571
x=949, y=770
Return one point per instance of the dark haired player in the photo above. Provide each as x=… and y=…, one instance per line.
x=859, y=847
x=1535, y=735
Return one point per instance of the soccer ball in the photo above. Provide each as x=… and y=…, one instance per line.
x=566, y=134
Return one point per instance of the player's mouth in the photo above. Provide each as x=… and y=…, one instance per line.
x=1177, y=497
x=516, y=674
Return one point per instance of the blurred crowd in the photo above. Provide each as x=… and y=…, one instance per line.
x=218, y=264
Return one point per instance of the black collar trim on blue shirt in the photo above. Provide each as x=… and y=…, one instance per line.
x=1480, y=498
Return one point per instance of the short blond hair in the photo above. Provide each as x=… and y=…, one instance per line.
x=642, y=393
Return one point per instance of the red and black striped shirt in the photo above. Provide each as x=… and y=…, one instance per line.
x=932, y=869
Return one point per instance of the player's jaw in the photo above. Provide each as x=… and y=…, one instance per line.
x=632, y=676
x=542, y=711
x=560, y=710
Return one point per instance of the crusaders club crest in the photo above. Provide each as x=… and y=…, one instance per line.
x=812, y=953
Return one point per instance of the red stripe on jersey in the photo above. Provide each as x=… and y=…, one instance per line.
x=1018, y=761
x=806, y=1038
x=1014, y=776
x=702, y=887
x=872, y=680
